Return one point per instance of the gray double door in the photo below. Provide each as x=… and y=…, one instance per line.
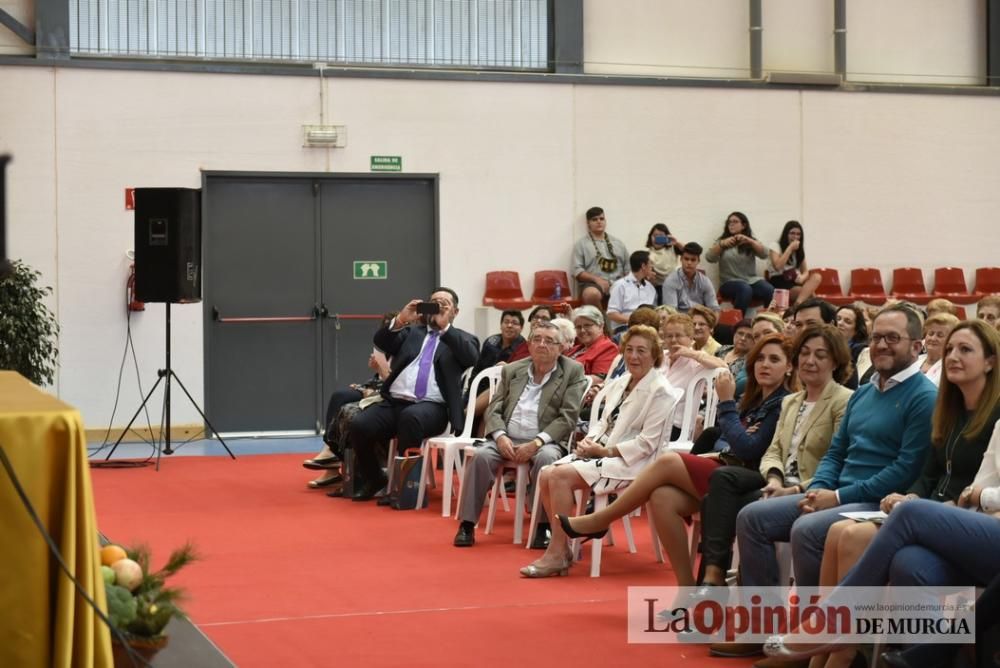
x=288, y=316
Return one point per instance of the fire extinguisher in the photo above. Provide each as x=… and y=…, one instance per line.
x=133, y=303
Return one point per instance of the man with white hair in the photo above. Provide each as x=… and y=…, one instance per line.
x=529, y=419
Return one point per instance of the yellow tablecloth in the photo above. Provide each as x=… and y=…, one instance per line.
x=43, y=620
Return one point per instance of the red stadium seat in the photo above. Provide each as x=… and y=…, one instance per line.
x=960, y=312
x=988, y=280
x=829, y=288
x=866, y=286
x=949, y=283
x=545, y=288
x=730, y=316
x=908, y=284
x=503, y=291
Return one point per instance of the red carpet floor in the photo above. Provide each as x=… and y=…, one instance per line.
x=290, y=577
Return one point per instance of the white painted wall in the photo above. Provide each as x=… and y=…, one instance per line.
x=877, y=179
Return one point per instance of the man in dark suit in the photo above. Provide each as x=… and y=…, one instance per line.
x=423, y=392
x=529, y=419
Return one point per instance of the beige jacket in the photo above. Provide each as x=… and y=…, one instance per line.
x=818, y=431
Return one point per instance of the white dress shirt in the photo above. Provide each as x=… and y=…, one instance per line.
x=523, y=424
x=404, y=387
x=628, y=294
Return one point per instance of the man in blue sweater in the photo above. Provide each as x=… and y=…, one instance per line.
x=879, y=448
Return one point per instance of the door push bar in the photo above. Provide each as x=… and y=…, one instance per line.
x=316, y=313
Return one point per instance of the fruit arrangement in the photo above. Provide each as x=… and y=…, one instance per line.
x=139, y=603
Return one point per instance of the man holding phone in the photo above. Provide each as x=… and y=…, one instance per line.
x=423, y=392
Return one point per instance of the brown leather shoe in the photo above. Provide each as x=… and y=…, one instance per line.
x=735, y=650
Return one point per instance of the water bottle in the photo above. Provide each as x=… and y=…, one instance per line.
x=557, y=295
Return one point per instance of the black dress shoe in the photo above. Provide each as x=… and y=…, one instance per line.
x=322, y=463
x=367, y=491
x=466, y=536
x=735, y=650
x=337, y=493
x=541, y=541
x=384, y=501
x=573, y=533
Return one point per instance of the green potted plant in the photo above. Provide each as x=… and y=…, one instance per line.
x=140, y=605
x=28, y=329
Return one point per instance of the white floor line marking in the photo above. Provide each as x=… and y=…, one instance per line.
x=378, y=613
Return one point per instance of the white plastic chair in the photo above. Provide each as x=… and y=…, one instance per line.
x=692, y=396
x=452, y=444
x=596, y=412
x=522, y=472
x=601, y=500
x=394, y=447
x=392, y=454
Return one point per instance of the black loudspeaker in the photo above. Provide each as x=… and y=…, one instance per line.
x=168, y=245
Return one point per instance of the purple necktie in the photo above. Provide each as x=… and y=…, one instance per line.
x=424, y=366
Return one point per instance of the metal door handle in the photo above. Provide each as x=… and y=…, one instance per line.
x=337, y=317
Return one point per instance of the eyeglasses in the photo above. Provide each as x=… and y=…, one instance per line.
x=544, y=341
x=742, y=335
x=541, y=318
x=890, y=339
x=588, y=325
x=674, y=337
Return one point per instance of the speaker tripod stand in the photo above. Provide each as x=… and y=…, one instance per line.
x=166, y=376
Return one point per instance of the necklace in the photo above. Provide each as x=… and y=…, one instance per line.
x=607, y=265
x=949, y=453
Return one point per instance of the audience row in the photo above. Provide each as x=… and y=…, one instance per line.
x=820, y=411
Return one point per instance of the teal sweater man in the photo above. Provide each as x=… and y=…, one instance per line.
x=882, y=443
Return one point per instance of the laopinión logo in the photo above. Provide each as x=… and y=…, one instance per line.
x=851, y=615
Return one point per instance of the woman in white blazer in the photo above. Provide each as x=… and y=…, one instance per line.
x=625, y=439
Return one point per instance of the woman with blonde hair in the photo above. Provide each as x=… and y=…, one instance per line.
x=682, y=362
x=616, y=448
x=676, y=482
x=936, y=329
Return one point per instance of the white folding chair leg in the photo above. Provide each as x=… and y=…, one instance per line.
x=657, y=547
x=533, y=521
x=492, y=513
x=520, y=492
x=695, y=537
x=426, y=473
x=628, y=534
x=503, y=496
x=597, y=543
x=451, y=467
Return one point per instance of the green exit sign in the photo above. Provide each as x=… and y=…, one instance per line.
x=371, y=270
x=387, y=163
